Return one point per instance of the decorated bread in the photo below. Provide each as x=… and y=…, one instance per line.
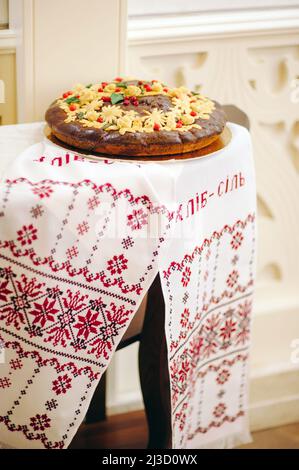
x=135, y=117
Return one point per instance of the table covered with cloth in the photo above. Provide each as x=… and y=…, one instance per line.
x=81, y=241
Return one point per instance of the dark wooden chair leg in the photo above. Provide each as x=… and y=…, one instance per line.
x=153, y=370
x=97, y=408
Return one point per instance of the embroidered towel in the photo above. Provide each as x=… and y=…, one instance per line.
x=81, y=240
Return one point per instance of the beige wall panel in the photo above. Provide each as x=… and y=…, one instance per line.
x=8, y=76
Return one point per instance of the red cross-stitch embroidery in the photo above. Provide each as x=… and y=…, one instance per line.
x=27, y=235
x=137, y=219
x=211, y=326
x=117, y=264
x=72, y=252
x=62, y=384
x=63, y=314
x=83, y=228
x=42, y=191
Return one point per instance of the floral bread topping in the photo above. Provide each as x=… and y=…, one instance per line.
x=117, y=106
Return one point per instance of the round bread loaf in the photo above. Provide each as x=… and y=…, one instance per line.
x=135, y=117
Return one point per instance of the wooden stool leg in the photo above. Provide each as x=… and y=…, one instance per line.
x=153, y=370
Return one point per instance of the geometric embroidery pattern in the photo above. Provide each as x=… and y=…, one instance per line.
x=61, y=320
x=67, y=295
x=211, y=325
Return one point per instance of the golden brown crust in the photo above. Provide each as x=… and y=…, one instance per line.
x=138, y=143
x=221, y=141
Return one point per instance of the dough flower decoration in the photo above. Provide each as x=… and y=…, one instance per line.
x=154, y=117
x=124, y=105
x=111, y=113
x=182, y=104
x=125, y=124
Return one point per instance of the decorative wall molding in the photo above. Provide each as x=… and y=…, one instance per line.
x=172, y=7
x=8, y=40
x=197, y=26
